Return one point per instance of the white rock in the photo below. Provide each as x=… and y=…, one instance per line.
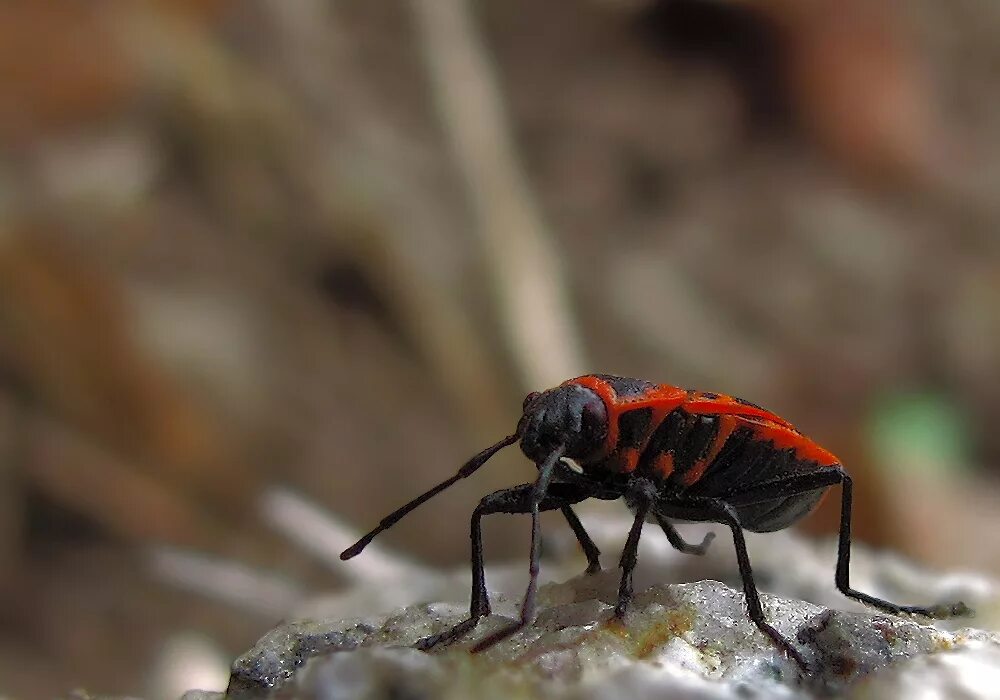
x=681, y=640
x=678, y=640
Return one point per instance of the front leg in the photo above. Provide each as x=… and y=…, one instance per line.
x=528, y=605
x=515, y=500
x=512, y=500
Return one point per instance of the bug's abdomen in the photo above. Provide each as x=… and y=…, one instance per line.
x=716, y=455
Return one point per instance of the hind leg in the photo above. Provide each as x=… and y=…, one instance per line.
x=830, y=476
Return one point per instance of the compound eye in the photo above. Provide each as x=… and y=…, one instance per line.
x=594, y=421
x=528, y=399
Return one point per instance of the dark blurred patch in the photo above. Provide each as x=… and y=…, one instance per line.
x=849, y=75
x=649, y=183
x=735, y=39
x=346, y=285
x=343, y=283
x=50, y=523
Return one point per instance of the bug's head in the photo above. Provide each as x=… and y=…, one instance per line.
x=569, y=415
x=568, y=421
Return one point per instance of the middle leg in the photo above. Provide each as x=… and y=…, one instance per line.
x=590, y=549
x=678, y=542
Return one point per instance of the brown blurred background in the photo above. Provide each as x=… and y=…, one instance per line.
x=329, y=245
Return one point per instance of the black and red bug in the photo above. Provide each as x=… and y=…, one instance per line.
x=671, y=453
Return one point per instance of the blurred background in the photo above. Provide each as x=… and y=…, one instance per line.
x=327, y=247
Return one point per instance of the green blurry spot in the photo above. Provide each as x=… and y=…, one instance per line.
x=921, y=432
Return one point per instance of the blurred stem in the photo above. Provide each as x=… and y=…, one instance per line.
x=320, y=533
x=233, y=582
x=435, y=320
x=525, y=263
x=11, y=496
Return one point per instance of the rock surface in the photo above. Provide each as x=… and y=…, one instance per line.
x=679, y=640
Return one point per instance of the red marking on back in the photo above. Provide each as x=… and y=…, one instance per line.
x=692, y=475
x=663, y=465
x=766, y=426
x=784, y=438
x=727, y=405
x=661, y=399
x=727, y=424
x=628, y=459
x=664, y=398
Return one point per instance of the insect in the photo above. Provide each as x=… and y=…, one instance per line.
x=672, y=454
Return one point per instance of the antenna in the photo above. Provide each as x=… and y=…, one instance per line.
x=467, y=469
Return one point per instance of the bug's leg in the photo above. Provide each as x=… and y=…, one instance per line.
x=843, y=574
x=630, y=556
x=830, y=476
x=512, y=500
x=678, y=542
x=529, y=605
x=724, y=513
x=515, y=500
x=590, y=549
